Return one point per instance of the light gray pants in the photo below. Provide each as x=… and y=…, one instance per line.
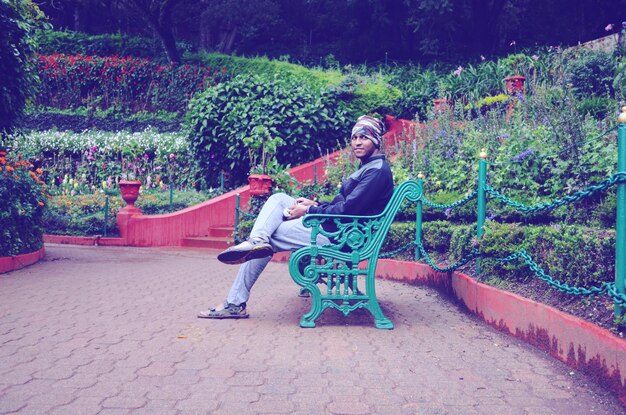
x=283, y=235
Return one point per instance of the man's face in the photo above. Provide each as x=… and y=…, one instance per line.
x=362, y=147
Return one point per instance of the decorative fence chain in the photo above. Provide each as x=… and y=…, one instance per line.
x=607, y=287
x=244, y=214
x=397, y=251
x=458, y=264
x=429, y=261
x=601, y=186
x=458, y=203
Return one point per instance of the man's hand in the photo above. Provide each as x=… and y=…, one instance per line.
x=306, y=202
x=300, y=207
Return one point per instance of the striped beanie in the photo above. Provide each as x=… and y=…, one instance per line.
x=371, y=128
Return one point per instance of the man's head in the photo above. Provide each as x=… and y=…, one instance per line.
x=371, y=128
x=367, y=136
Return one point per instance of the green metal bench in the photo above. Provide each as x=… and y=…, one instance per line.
x=335, y=267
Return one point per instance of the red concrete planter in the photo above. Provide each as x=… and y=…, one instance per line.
x=12, y=263
x=260, y=184
x=130, y=191
x=70, y=240
x=515, y=84
x=576, y=342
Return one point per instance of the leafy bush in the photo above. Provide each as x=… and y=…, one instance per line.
x=22, y=204
x=17, y=22
x=362, y=94
x=221, y=117
x=590, y=72
x=128, y=84
x=50, y=42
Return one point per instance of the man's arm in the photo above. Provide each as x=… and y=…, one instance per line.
x=372, y=186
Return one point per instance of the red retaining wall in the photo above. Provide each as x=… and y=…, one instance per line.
x=12, y=263
x=169, y=229
x=580, y=344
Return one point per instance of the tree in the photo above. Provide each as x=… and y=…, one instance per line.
x=18, y=20
x=158, y=15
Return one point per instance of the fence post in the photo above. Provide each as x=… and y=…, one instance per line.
x=620, y=221
x=315, y=174
x=106, y=214
x=221, y=180
x=481, y=199
x=237, y=201
x=171, y=196
x=418, y=216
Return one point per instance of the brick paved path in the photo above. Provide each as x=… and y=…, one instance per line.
x=96, y=330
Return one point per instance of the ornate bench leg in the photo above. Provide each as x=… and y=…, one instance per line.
x=381, y=321
x=308, y=320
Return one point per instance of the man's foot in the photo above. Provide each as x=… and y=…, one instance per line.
x=245, y=251
x=227, y=311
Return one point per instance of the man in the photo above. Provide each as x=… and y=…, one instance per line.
x=279, y=224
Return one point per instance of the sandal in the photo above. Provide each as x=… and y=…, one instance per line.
x=229, y=311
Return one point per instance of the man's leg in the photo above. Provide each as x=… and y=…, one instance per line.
x=271, y=216
x=266, y=223
x=289, y=235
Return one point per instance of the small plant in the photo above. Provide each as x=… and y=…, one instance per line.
x=262, y=147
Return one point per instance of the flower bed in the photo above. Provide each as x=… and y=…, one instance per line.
x=68, y=81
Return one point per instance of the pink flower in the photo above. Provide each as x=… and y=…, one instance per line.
x=482, y=58
x=609, y=27
x=458, y=71
x=512, y=43
x=535, y=57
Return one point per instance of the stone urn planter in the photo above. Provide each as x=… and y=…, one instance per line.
x=260, y=184
x=129, y=190
x=515, y=84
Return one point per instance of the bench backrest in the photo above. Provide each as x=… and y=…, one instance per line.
x=365, y=234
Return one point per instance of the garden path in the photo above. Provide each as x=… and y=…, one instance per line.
x=109, y=330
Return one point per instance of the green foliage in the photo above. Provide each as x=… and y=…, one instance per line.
x=82, y=118
x=263, y=66
x=575, y=255
x=262, y=147
x=590, y=72
x=50, y=42
x=83, y=214
x=18, y=20
x=309, y=122
x=22, y=204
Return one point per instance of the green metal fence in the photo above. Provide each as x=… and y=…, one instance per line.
x=613, y=289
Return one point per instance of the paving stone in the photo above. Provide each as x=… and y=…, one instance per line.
x=141, y=349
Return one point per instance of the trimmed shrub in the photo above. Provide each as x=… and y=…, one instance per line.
x=83, y=119
x=309, y=122
x=572, y=254
x=50, y=42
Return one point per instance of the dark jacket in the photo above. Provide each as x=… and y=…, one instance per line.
x=366, y=192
